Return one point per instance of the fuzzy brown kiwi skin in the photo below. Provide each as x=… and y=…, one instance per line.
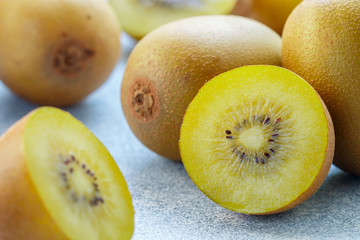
x=324, y=170
x=321, y=44
x=177, y=59
x=22, y=213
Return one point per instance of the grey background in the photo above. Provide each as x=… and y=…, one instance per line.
x=169, y=206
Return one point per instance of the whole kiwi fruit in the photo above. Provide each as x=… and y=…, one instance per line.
x=169, y=65
x=321, y=43
x=273, y=13
x=57, y=52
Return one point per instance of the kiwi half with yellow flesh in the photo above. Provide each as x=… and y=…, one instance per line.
x=139, y=17
x=58, y=181
x=167, y=68
x=257, y=140
x=321, y=43
x=57, y=52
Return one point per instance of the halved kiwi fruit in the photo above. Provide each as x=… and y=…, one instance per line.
x=59, y=182
x=139, y=17
x=257, y=140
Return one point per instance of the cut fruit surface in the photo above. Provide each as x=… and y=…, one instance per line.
x=257, y=140
x=139, y=17
x=75, y=180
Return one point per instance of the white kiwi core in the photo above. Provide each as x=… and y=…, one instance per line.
x=252, y=138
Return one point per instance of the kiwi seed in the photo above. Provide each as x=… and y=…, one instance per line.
x=70, y=165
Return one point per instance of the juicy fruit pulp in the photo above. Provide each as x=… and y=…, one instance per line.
x=139, y=17
x=60, y=182
x=57, y=52
x=321, y=44
x=168, y=66
x=257, y=140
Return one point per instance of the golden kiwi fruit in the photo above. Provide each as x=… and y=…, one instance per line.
x=273, y=13
x=168, y=66
x=321, y=43
x=58, y=181
x=57, y=52
x=257, y=140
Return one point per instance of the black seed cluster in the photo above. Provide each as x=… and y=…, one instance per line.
x=228, y=132
x=271, y=140
x=71, y=165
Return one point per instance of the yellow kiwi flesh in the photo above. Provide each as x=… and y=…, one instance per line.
x=57, y=52
x=167, y=68
x=321, y=44
x=60, y=182
x=139, y=17
x=257, y=140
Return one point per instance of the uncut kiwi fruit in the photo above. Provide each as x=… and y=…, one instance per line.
x=57, y=52
x=257, y=140
x=168, y=66
x=321, y=43
x=139, y=17
x=273, y=13
x=58, y=181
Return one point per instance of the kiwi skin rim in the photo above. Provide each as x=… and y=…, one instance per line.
x=323, y=172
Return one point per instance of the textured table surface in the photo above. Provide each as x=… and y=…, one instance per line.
x=169, y=206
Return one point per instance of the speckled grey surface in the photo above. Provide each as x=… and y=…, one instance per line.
x=169, y=206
